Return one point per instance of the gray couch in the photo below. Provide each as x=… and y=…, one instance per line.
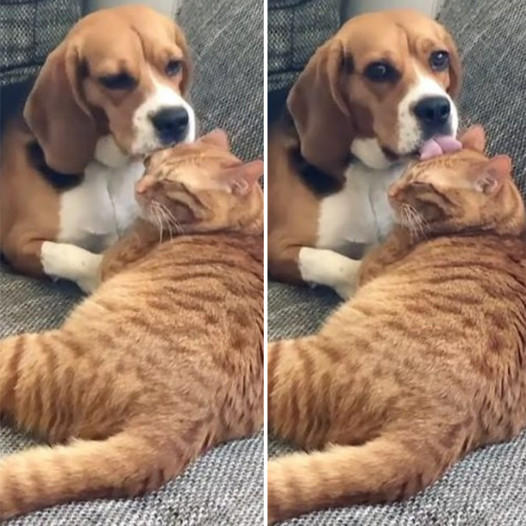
x=224, y=487
x=488, y=488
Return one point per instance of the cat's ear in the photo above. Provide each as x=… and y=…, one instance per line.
x=157, y=158
x=217, y=137
x=241, y=178
x=474, y=138
x=493, y=174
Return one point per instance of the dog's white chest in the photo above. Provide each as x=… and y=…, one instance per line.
x=97, y=212
x=359, y=214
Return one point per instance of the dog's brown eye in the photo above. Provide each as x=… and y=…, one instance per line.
x=121, y=81
x=173, y=67
x=439, y=60
x=381, y=72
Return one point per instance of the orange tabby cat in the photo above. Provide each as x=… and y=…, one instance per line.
x=165, y=359
x=426, y=362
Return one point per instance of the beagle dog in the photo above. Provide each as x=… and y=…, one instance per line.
x=365, y=103
x=112, y=92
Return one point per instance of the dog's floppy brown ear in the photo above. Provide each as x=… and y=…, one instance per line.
x=57, y=114
x=188, y=68
x=455, y=67
x=320, y=113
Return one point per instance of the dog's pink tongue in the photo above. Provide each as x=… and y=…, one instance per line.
x=438, y=146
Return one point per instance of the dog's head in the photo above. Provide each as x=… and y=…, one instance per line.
x=122, y=71
x=377, y=90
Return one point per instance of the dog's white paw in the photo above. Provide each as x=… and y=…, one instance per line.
x=346, y=289
x=89, y=284
x=65, y=261
x=326, y=267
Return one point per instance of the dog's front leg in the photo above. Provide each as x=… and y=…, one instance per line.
x=326, y=267
x=66, y=261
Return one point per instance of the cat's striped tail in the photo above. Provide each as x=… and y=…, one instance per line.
x=382, y=470
x=122, y=465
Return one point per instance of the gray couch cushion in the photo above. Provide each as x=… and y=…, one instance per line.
x=226, y=38
x=295, y=29
x=487, y=488
x=224, y=487
x=491, y=36
x=29, y=30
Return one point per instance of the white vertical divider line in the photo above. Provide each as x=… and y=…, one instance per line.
x=265, y=254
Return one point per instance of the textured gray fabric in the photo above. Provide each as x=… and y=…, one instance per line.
x=295, y=29
x=226, y=38
x=296, y=311
x=492, y=39
x=224, y=487
x=488, y=487
x=29, y=30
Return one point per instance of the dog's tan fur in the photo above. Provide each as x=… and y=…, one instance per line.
x=68, y=110
x=330, y=105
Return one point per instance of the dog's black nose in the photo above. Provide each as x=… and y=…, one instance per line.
x=171, y=124
x=433, y=112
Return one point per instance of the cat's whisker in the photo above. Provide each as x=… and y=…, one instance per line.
x=413, y=220
x=168, y=213
x=417, y=224
x=165, y=215
x=157, y=218
x=165, y=219
x=171, y=218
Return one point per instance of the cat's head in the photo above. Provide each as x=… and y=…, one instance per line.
x=201, y=187
x=460, y=192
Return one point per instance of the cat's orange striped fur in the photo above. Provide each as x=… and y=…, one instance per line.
x=164, y=360
x=426, y=362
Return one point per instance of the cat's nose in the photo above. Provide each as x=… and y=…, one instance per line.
x=144, y=184
x=393, y=191
x=171, y=124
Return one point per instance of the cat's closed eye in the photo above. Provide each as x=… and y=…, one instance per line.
x=421, y=184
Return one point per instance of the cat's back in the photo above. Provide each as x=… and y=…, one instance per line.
x=187, y=317
x=472, y=268
x=202, y=263
x=188, y=291
x=448, y=322
x=495, y=264
x=473, y=287
x=195, y=262
x=451, y=288
x=443, y=331
x=456, y=285
x=194, y=274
